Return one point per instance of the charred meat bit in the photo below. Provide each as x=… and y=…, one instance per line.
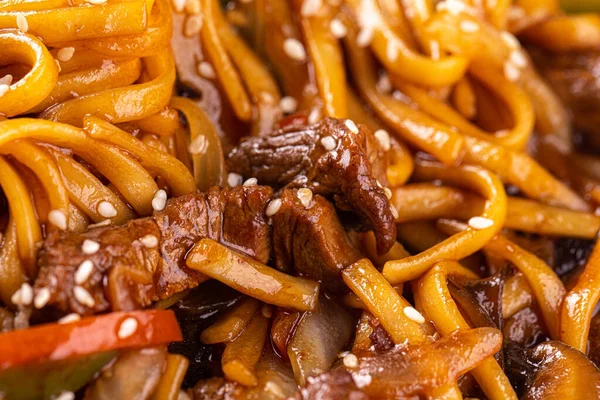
x=312, y=240
x=295, y=157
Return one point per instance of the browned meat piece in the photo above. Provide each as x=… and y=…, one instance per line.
x=312, y=240
x=335, y=385
x=576, y=79
x=300, y=156
x=129, y=271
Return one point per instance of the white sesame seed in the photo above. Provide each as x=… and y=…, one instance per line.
x=469, y=26
x=6, y=80
x=41, y=298
x=206, y=70
x=364, y=37
x=434, y=47
x=193, y=6
x=90, y=247
x=314, y=116
x=22, y=23
x=275, y=389
x=96, y=2
x=394, y=211
x=127, y=328
x=310, y=7
x=328, y=143
x=84, y=271
x=67, y=319
x=414, y=315
x=391, y=51
x=65, y=54
x=266, y=311
x=3, y=89
x=337, y=28
x=351, y=125
x=518, y=58
x=178, y=5
x=193, y=25
x=383, y=84
x=65, y=396
x=480, y=223
x=16, y=297
x=383, y=138
x=149, y=241
x=511, y=71
x=234, y=179
x=106, y=209
x=83, y=296
x=159, y=202
x=350, y=360
x=26, y=296
x=58, y=219
x=273, y=207
x=388, y=193
x=58, y=65
x=198, y=146
x=288, y=104
x=305, y=195
x=294, y=49
x=510, y=40
x=250, y=182
x=342, y=354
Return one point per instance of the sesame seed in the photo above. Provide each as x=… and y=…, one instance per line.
x=310, y=7
x=288, y=104
x=84, y=271
x=383, y=138
x=65, y=396
x=6, y=80
x=58, y=65
x=305, y=195
x=178, y=5
x=351, y=125
x=83, y=296
x=294, y=49
x=67, y=319
x=250, y=182
x=16, y=297
x=328, y=143
x=342, y=354
x=127, y=328
x=234, y=179
x=414, y=315
x=22, y=23
x=511, y=71
x=26, y=294
x=383, y=84
x=275, y=389
x=106, y=209
x=394, y=211
x=388, y=194
x=266, y=311
x=510, y=40
x=90, y=247
x=96, y=2
x=391, y=51
x=314, y=116
x=192, y=6
x=350, y=360
x=273, y=207
x=3, y=89
x=434, y=47
x=480, y=223
x=198, y=146
x=469, y=26
x=58, y=219
x=364, y=37
x=518, y=58
x=337, y=28
x=193, y=25
x=149, y=241
x=41, y=298
x=206, y=70
x=159, y=202
x=65, y=54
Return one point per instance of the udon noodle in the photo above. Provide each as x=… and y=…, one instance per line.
x=112, y=109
